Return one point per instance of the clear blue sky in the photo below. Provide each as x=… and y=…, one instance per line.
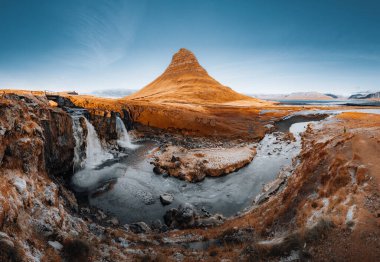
x=251, y=46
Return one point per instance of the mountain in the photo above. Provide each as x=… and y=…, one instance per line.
x=367, y=95
x=186, y=81
x=298, y=96
x=113, y=93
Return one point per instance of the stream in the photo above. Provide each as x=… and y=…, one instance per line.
x=126, y=187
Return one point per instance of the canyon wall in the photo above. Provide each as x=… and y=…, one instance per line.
x=195, y=120
x=40, y=219
x=35, y=136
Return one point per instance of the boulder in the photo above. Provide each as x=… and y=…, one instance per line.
x=182, y=217
x=166, y=199
x=139, y=227
x=157, y=170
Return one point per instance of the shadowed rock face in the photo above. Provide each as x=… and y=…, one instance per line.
x=104, y=123
x=35, y=136
x=59, y=143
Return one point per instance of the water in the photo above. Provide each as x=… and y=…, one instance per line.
x=331, y=102
x=79, y=153
x=124, y=139
x=135, y=189
x=128, y=189
x=95, y=155
x=333, y=112
x=88, y=151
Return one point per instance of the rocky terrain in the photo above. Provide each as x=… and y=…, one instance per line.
x=323, y=207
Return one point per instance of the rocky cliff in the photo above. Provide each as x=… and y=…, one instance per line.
x=35, y=136
x=40, y=219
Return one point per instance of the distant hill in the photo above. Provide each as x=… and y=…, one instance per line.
x=299, y=96
x=366, y=95
x=332, y=95
x=113, y=93
x=186, y=81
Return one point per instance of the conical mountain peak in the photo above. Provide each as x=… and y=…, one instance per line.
x=184, y=61
x=186, y=81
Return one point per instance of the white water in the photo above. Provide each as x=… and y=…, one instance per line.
x=79, y=139
x=122, y=133
x=95, y=155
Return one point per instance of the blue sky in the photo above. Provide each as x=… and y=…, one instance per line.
x=251, y=46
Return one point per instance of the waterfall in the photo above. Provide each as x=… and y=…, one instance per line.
x=95, y=154
x=79, y=154
x=88, y=151
x=122, y=133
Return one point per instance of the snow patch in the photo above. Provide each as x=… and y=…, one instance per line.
x=317, y=214
x=55, y=244
x=20, y=184
x=350, y=214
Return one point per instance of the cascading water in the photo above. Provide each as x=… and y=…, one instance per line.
x=79, y=153
x=124, y=139
x=95, y=155
x=88, y=151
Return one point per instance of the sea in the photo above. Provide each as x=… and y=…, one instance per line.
x=330, y=102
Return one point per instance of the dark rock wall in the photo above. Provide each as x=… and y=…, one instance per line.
x=35, y=137
x=59, y=143
x=104, y=123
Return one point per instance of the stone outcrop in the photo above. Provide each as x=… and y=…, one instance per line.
x=195, y=164
x=59, y=142
x=186, y=216
x=39, y=217
x=35, y=136
x=104, y=123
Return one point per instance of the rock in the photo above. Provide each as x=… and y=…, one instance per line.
x=101, y=215
x=182, y=217
x=211, y=221
x=85, y=210
x=44, y=229
x=195, y=164
x=126, y=227
x=157, y=170
x=6, y=241
x=123, y=242
x=59, y=152
x=166, y=199
x=139, y=227
x=174, y=159
x=156, y=225
x=114, y=221
x=178, y=257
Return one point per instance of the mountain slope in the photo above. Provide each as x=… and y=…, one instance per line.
x=375, y=95
x=186, y=81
